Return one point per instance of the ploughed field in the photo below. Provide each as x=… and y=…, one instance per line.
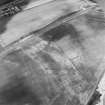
x=60, y=64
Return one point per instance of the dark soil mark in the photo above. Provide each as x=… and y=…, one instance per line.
x=3, y=24
x=17, y=92
x=93, y=1
x=61, y=31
